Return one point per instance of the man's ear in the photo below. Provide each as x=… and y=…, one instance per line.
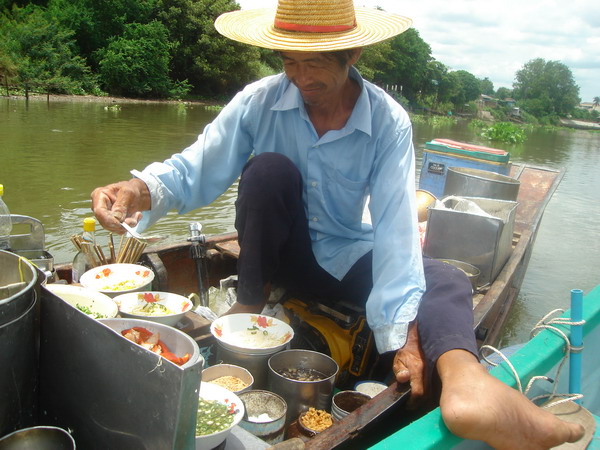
x=356, y=52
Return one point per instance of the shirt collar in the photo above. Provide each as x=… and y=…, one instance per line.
x=360, y=118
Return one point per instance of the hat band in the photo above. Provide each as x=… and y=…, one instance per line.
x=312, y=28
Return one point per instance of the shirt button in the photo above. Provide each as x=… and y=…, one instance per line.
x=315, y=219
x=313, y=184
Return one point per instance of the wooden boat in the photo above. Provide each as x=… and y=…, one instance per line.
x=176, y=271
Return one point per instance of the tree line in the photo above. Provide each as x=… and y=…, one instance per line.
x=170, y=49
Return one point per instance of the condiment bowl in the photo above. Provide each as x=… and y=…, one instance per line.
x=115, y=279
x=251, y=333
x=221, y=370
x=212, y=392
x=162, y=307
x=93, y=303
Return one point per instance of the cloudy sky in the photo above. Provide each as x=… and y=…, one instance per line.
x=494, y=39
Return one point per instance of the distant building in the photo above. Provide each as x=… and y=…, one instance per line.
x=589, y=106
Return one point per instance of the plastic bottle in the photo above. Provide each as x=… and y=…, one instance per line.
x=5, y=223
x=84, y=259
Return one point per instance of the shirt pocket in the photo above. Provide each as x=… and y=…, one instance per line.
x=345, y=197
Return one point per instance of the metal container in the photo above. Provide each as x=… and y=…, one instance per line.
x=111, y=392
x=345, y=402
x=38, y=438
x=469, y=182
x=31, y=244
x=256, y=364
x=18, y=278
x=220, y=370
x=264, y=416
x=18, y=343
x=301, y=395
x=483, y=239
x=470, y=270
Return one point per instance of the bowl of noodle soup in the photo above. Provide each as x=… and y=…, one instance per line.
x=115, y=279
x=252, y=333
x=162, y=307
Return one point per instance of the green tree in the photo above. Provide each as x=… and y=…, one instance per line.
x=95, y=22
x=407, y=65
x=213, y=64
x=503, y=93
x=468, y=89
x=137, y=62
x=546, y=88
x=375, y=62
x=44, y=53
x=596, y=102
x=486, y=86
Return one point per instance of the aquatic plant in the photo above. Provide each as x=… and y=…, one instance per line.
x=504, y=132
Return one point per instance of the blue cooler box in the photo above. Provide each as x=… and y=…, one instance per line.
x=440, y=154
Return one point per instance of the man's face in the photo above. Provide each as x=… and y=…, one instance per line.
x=319, y=78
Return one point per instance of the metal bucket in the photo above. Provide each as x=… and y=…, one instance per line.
x=264, y=416
x=18, y=344
x=17, y=281
x=39, y=438
x=256, y=364
x=301, y=395
x=467, y=182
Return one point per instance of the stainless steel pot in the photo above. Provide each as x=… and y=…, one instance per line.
x=18, y=343
x=17, y=286
x=39, y=438
x=256, y=364
x=301, y=395
x=467, y=182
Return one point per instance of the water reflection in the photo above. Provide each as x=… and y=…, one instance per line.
x=54, y=154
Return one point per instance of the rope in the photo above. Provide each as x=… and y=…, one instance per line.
x=546, y=323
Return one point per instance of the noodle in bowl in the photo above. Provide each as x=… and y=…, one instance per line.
x=115, y=279
x=252, y=333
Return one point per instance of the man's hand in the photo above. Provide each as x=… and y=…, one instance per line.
x=120, y=202
x=409, y=365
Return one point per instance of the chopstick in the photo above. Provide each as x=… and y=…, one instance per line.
x=130, y=250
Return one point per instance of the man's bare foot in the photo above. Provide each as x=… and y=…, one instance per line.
x=477, y=406
x=238, y=308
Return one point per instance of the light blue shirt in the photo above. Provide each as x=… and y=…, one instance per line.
x=372, y=156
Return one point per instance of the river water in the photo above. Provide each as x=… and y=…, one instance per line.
x=53, y=154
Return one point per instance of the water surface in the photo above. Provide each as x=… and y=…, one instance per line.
x=54, y=154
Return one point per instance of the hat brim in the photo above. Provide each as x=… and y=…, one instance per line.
x=255, y=27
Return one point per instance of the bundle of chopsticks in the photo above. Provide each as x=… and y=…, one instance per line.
x=129, y=251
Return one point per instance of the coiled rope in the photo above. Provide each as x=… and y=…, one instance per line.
x=551, y=324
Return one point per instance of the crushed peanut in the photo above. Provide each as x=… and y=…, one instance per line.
x=233, y=384
x=316, y=419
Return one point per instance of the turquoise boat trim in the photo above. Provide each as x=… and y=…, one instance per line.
x=539, y=356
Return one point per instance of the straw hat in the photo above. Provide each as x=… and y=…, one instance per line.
x=311, y=25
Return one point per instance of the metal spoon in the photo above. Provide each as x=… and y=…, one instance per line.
x=139, y=237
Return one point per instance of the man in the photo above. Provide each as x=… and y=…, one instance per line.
x=323, y=140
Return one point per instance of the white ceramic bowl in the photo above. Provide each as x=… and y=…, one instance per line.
x=116, y=279
x=209, y=391
x=252, y=333
x=99, y=305
x=132, y=305
x=220, y=370
x=178, y=342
